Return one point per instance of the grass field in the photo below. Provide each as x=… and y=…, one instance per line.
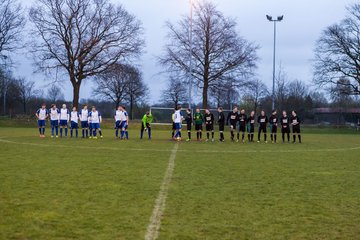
x=107, y=189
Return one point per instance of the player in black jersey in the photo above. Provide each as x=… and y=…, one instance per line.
x=209, y=124
x=295, y=122
x=242, y=125
x=233, y=118
x=221, y=122
x=251, y=126
x=273, y=120
x=262, y=121
x=188, y=120
x=285, y=126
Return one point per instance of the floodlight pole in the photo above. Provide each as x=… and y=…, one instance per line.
x=190, y=53
x=279, y=19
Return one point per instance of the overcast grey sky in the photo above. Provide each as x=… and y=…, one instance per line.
x=303, y=23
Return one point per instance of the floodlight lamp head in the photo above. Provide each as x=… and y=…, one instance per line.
x=269, y=17
x=280, y=18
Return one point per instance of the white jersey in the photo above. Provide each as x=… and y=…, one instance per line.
x=64, y=114
x=178, y=116
x=84, y=115
x=74, y=116
x=117, y=115
x=123, y=116
x=54, y=114
x=42, y=113
x=94, y=117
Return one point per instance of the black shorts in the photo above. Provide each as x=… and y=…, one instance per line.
x=232, y=126
x=251, y=128
x=188, y=126
x=262, y=129
x=209, y=127
x=242, y=128
x=273, y=128
x=173, y=126
x=198, y=127
x=285, y=130
x=221, y=127
x=296, y=129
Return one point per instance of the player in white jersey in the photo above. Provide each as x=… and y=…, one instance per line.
x=117, y=117
x=124, y=118
x=64, y=119
x=95, y=118
x=41, y=114
x=178, y=118
x=54, y=113
x=74, y=118
x=84, y=115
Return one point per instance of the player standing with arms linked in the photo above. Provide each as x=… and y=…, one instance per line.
x=41, y=115
x=285, y=126
x=221, y=122
x=209, y=124
x=95, y=119
x=262, y=121
x=64, y=120
x=198, y=118
x=74, y=124
x=251, y=126
x=54, y=113
x=273, y=126
x=233, y=118
x=84, y=115
x=188, y=120
x=242, y=125
x=295, y=122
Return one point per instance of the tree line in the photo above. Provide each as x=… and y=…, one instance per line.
x=96, y=40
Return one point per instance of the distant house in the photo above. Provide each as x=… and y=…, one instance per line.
x=337, y=116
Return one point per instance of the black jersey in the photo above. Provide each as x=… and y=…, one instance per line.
x=221, y=118
x=242, y=119
x=209, y=119
x=263, y=120
x=233, y=118
x=285, y=121
x=188, y=118
x=273, y=120
x=295, y=121
x=251, y=120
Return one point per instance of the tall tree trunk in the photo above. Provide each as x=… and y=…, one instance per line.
x=76, y=94
x=205, y=94
x=131, y=107
x=24, y=107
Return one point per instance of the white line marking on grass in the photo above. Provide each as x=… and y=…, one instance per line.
x=152, y=231
x=184, y=150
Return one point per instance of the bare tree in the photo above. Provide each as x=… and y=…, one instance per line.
x=217, y=50
x=113, y=84
x=174, y=93
x=121, y=84
x=26, y=92
x=337, y=53
x=55, y=94
x=12, y=23
x=281, y=91
x=255, y=92
x=83, y=37
x=137, y=90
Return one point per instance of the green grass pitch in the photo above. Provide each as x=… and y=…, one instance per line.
x=106, y=189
